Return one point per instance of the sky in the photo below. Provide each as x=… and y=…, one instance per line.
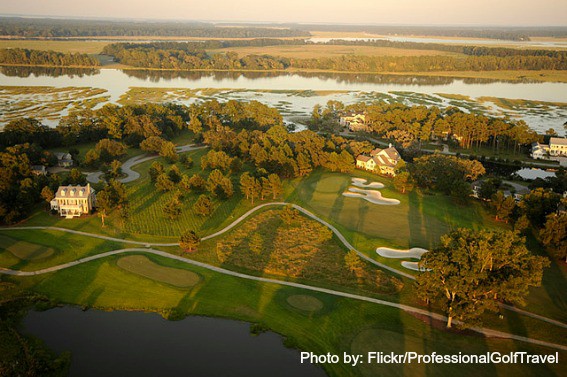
x=410, y=12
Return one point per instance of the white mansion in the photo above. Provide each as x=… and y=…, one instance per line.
x=71, y=201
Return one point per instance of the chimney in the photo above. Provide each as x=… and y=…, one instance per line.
x=390, y=145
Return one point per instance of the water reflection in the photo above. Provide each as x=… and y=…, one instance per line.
x=22, y=71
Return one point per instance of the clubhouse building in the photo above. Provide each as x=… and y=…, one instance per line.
x=380, y=161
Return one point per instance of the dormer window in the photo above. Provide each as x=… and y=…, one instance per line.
x=63, y=192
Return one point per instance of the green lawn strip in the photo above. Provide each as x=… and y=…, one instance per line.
x=25, y=250
x=342, y=325
x=64, y=247
x=141, y=265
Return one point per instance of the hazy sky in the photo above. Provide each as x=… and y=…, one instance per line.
x=422, y=12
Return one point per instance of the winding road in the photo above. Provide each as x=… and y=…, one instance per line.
x=148, y=249
x=132, y=175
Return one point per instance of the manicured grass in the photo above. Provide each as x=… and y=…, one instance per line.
x=342, y=325
x=141, y=265
x=31, y=250
x=25, y=250
x=418, y=221
x=305, y=302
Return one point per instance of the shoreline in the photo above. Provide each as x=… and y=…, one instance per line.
x=554, y=76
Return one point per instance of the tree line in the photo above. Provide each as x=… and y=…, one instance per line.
x=53, y=28
x=52, y=58
x=178, y=56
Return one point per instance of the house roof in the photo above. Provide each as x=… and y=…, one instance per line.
x=74, y=191
x=392, y=153
x=63, y=156
x=363, y=158
x=38, y=168
x=558, y=141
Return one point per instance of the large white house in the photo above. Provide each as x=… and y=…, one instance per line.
x=74, y=201
x=557, y=147
x=381, y=161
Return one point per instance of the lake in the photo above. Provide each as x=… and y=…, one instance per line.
x=139, y=344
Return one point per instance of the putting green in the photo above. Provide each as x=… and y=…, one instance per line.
x=141, y=265
x=25, y=250
x=331, y=185
x=305, y=303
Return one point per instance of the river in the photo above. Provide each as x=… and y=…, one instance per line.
x=296, y=94
x=139, y=344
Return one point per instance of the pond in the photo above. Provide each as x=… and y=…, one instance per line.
x=139, y=344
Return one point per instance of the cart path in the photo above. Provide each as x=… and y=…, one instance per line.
x=339, y=235
x=410, y=309
x=132, y=175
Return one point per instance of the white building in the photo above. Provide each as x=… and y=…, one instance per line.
x=74, y=201
x=381, y=161
x=557, y=147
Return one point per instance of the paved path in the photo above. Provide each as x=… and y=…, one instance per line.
x=242, y=218
x=406, y=308
x=132, y=175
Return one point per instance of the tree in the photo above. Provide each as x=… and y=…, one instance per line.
x=172, y=208
x=164, y=183
x=249, y=186
x=189, y=241
x=554, y=235
x=169, y=152
x=155, y=170
x=114, y=170
x=47, y=194
x=403, y=181
x=103, y=205
x=75, y=177
x=471, y=270
x=503, y=206
x=203, y=206
x=538, y=204
x=354, y=264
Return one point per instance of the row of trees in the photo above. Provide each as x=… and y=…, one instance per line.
x=182, y=59
x=54, y=28
x=21, y=56
x=409, y=125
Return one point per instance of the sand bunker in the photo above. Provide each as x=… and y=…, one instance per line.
x=372, y=196
x=413, y=266
x=414, y=252
x=360, y=182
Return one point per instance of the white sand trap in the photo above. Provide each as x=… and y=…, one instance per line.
x=360, y=182
x=372, y=196
x=413, y=266
x=414, y=252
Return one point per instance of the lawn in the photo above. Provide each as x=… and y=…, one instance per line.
x=418, y=221
x=141, y=265
x=31, y=249
x=338, y=325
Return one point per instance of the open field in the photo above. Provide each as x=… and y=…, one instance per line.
x=319, y=51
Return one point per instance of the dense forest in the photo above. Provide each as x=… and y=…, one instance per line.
x=184, y=56
x=187, y=57
x=52, y=28
x=20, y=56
